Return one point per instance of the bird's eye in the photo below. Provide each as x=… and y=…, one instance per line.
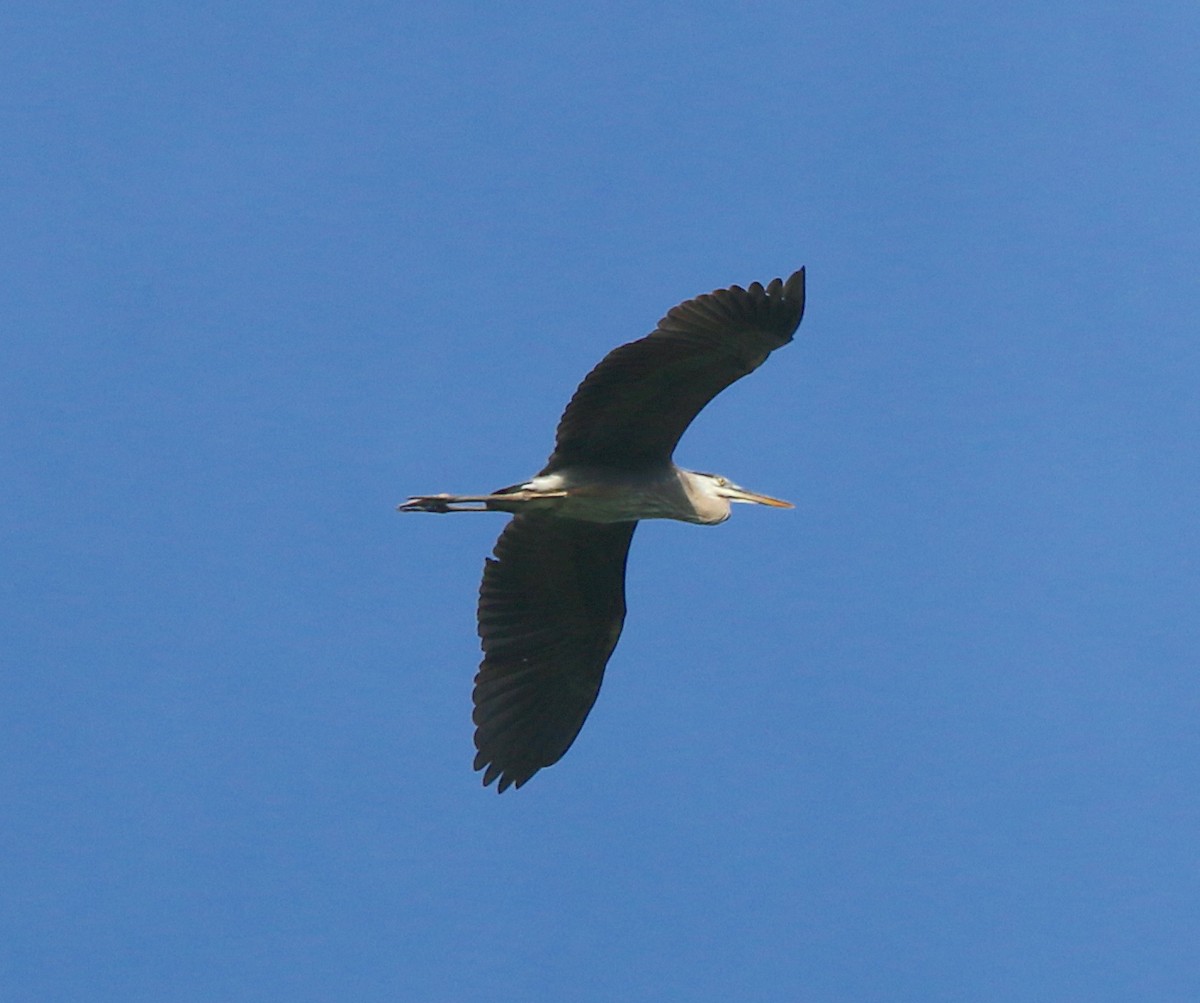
x=722, y=482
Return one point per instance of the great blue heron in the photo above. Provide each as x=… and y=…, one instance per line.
x=552, y=602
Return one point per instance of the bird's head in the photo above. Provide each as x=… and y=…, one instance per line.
x=713, y=496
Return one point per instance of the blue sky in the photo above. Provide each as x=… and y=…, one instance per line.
x=270, y=268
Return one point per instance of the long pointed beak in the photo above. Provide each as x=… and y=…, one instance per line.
x=751, y=497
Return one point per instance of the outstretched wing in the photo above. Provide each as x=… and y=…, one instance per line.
x=551, y=608
x=633, y=407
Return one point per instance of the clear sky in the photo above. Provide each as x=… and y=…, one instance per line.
x=268, y=268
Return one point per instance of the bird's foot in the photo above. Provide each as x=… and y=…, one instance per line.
x=440, y=503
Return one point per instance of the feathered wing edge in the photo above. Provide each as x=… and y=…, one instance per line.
x=551, y=609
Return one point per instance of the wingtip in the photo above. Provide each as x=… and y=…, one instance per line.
x=793, y=292
x=777, y=288
x=503, y=779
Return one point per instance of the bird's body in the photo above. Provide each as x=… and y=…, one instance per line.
x=552, y=602
x=608, y=494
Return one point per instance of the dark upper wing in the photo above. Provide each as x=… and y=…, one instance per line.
x=633, y=407
x=551, y=608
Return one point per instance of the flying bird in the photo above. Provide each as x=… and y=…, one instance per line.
x=552, y=600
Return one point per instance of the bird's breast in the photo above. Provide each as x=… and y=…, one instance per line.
x=603, y=495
